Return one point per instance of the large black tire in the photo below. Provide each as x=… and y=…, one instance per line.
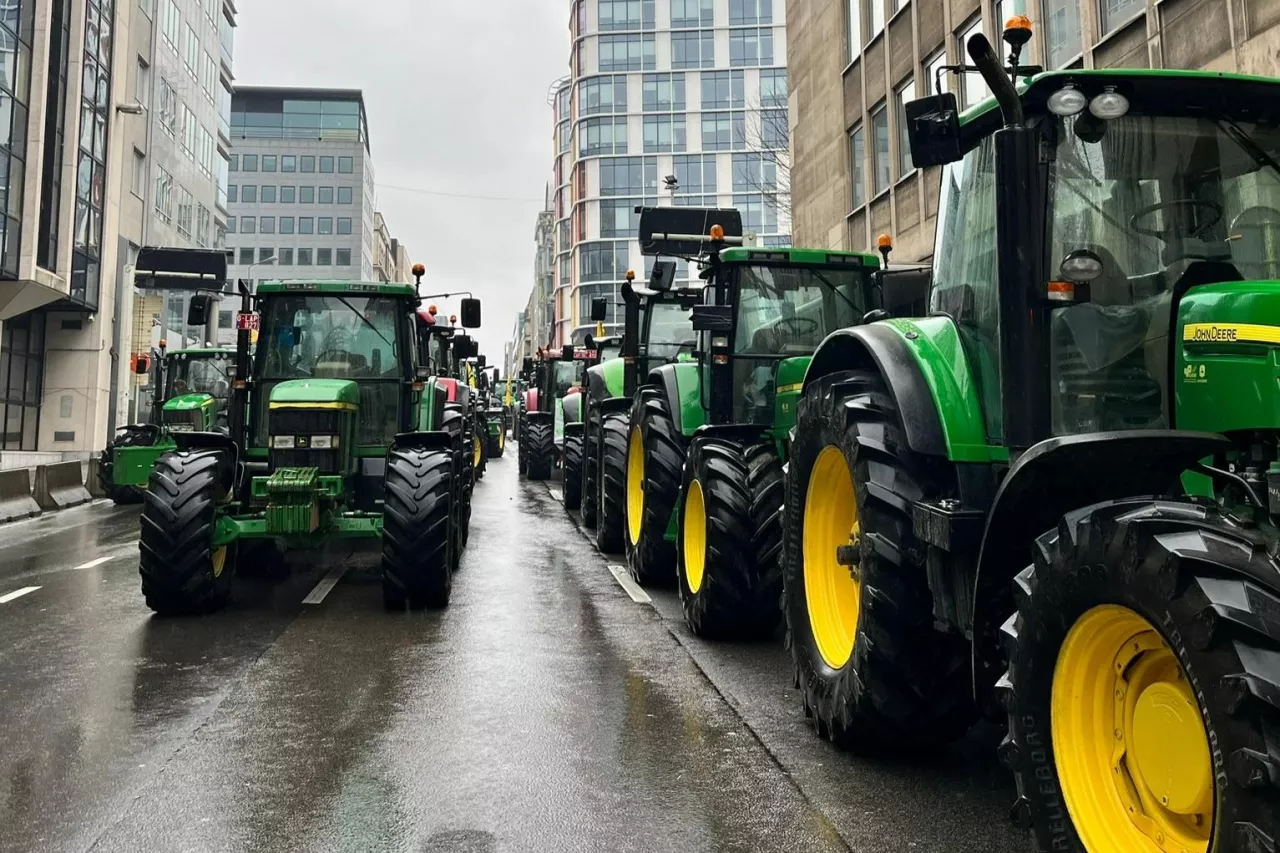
x=453, y=421
x=904, y=686
x=123, y=495
x=651, y=557
x=540, y=455
x=417, y=567
x=498, y=443
x=590, y=492
x=611, y=523
x=181, y=573
x=1210, y=592
x=572, y=485
x=522, y=455
x=481, y=444
x=731, y=503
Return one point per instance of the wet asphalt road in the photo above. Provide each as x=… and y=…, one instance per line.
x=543, y=711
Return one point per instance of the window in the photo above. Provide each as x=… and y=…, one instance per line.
x=773, y=87
x=288, y=163
x=286, y=224
x=757, y=215
x=602, y=95
x=723, y=131
x=693, y=49
x=307, y=195
x=306, y=225
x=170, y=23
x=249, y=194
x=326, y=165
x=344, y=195
x=268, y=162
x=267, y=194
x=248, y=225
x=265, y=255
x=233, y=163
x=664, y=133
x=285, y=258
x=1061, y=31
x=203, y=220
x=973, y=89
x=324, y=257
x=304, y=257
x=626, y=15
x=1113, y=13
x=618, y=217
x=602, y=261
x=934, y=76
x=750, y=47
x=602, y=136
x=191, y=52
x=308, y=164
x=875, y=17
x=249, y=163
x=747, y=12
x=627, y=53
x=906, y=93
x=186, y=213
x=139, y=183
x=288, y=195
x=853, y=9
x=629, y=176
x=231, y=225
x=664, y=92
x=754, y=173
x=324, y=225
x=207, y=151
x=344, y=224
x=168, y=109
x=691, y=14
x=208, y=77
x=346, y=165
x=723, y=90
x=775, y=134
x=246, y=257
x=189, y=132
x=857, y=167
x=233, y=193
x=325, y=195
x=164, y=195
x=266, y=225
x=342, y=257
x=880, y=156
x=142, y=84
x=696, y=173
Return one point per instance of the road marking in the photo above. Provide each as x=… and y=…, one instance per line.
x=556, y=493
x=5, y=599
x=326, y=585
x=638, y=595
x=92, y=564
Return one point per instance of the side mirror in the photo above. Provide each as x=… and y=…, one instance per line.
x=589, y=342
x=526, y=366
x=470, y=313
x=423, y=372
x=663, y=275
x=142, y=365
x=566, y=352
x=712, y=318
x=904, y=292
x=497, y=375
x=933, y=129
x=461, y=347
x=198, y=309
x=599, y=309
x=481, y=361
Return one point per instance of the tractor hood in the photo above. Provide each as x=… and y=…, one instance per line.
x=606, y=379
x=188, y=402
x=319, y=393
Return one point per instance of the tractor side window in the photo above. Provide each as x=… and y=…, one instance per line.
x=965, y=285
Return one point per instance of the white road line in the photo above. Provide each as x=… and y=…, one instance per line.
x=92, y=564
x=556, y=493
x=638, y=595
x=5, y=599
x=326, y=585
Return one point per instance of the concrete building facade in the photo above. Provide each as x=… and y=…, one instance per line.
x=855, y=62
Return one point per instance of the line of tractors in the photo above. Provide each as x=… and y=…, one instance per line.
x=1037, y=482
x=346, y=411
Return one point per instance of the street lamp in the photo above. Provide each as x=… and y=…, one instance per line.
x=270, y=260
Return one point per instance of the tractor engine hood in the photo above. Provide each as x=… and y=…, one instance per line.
x=188, y=402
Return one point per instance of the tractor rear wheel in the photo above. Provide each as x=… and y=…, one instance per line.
x=453, y=423
x=655, y=462
x=417, y=566
x=522, y=456
x=498, y=443
x=590, y=470
x=541, y=452
x=182, y=572
x=1144, y=682
x=875, y=674
x=572, y=485
x=122, y=495
x=611, y=492
x=480, y=451
x=729, y=547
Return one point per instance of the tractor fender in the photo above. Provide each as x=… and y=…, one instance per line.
x=572, y=408
x=681, y=384
x=597, y=388
x=614, y=404
x=577, y=428
x=433, y=440
x=1046, y=482
x=532, y=417
x=450, y=387
x=149, y=432
x=531, y=400
x=734, y=432
x=876, y=346
x=212, y=441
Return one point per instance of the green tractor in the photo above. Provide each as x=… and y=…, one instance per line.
x=1055, y=500
x=495, y=425
x=579, y=453
x=542, y=412
x=190, y=390
x=336, y=432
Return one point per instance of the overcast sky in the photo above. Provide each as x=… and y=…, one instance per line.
x=456, y=92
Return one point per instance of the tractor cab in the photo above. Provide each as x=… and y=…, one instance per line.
x=197, y=389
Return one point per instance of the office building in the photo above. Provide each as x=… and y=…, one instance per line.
x=855, y=62
x=691, y=89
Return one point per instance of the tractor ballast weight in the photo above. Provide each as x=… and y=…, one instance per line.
x=1050, y=501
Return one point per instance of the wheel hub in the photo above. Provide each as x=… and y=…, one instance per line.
x=833, y=593
x=694, y=535
x=635, y=485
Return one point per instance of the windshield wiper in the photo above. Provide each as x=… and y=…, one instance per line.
x=822, y=278
x=365, y=320
x=1253, y=149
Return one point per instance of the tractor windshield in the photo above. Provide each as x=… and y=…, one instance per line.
x=567, y=375
x=670, y=331
x=200, y=373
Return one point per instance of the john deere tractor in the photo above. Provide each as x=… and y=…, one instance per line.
x=336, y=432
x=1054, y=500
x=579, y=451
x=542, y=433
x=709, y=437
x=190, y=391
x=495, y=425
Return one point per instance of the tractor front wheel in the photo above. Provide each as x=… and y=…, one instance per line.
x=541, y=452
x=875, y=674
x=655, y=462
x=730, y=540
x=498, y=443
x=522, y=455
x=589, y=494
x=572, y=484
x=611, y=492
x=1144, y=683
x=417, y=566
x=182, y=571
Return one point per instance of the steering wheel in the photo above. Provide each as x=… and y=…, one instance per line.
x=800, y=326
x=1188, y=204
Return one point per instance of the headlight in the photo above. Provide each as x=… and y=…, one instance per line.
x=324, y=442
x=1067, y=101
x=283, y=442
x=181, y=426
x=1110, y=104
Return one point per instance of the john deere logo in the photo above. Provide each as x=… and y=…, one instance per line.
x=1214, y=334
x=1195, y=374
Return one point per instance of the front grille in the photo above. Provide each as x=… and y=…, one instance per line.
x=327, y=461
x=305, y=422
x=185, y=421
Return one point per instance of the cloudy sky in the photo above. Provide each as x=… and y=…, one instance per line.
x=457, y=101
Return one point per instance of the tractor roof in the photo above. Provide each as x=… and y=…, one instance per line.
x=813, y=257
x=360, y=288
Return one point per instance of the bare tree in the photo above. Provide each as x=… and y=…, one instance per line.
x=767, y=132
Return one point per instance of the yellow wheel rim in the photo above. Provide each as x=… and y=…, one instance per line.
x=832, y=594
x=502, y=441
x=694, y=535
x=1131, y=747
x=635, y=484
x=219, y=560
x=475, y=453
